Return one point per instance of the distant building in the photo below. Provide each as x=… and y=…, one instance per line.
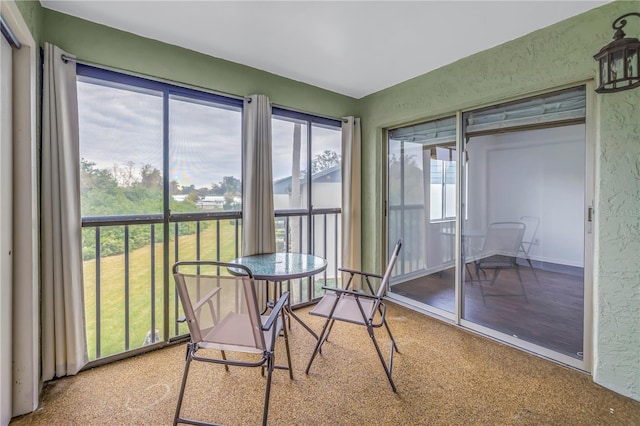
x=179, y=197
x=210, y=202
x=215, y=202
x=327, y=185
x=327, y=190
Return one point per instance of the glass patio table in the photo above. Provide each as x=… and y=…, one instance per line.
x=280, y=268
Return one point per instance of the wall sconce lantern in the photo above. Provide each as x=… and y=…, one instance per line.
x=619, y=60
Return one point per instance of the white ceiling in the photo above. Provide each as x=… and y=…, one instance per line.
x=350, y=47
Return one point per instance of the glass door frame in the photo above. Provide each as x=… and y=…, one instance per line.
x=451, y=317
x=584, y=364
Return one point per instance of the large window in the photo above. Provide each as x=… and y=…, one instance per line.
x=161, y=170
x=129, y=126
x=205, y=154
x=120, y=148
x=160, y=182
x=307, y=189
x=306, y=161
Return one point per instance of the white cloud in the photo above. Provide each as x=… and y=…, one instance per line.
x=119, y=126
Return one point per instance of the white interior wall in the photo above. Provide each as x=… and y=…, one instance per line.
x=536, y=173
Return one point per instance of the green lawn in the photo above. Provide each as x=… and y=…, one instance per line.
x=145, y=288
x=112, y=288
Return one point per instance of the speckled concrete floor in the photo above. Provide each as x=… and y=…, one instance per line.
x=444, y=375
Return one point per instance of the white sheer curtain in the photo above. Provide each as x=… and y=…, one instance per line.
x=64, y=347
x=258, y=226
x=351, y=184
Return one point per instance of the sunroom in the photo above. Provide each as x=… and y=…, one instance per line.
x=512, y=146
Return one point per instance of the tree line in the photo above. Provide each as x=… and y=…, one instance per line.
x=127, y=190
x=124, y=191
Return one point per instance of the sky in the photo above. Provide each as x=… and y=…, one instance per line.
x=120, y=126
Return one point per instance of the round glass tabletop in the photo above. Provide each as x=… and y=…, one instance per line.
x=281, y=266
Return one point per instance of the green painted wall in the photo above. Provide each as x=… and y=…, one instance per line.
x=555, y=56
x=33, y=15
x=119, y=49
x=552, y=57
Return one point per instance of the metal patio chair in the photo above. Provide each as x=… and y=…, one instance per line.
x=529, y=240
x=366, y=309
x=223, y=317
x=500, y=251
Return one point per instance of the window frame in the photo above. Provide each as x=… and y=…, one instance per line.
x=444, y=166
x=307, y=211
x=168, y=91
x=310, y=120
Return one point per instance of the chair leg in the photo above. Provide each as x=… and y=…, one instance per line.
x=524, y=293
x=493, y=280
x=286, y=345
x=183, y=384
x=393, y=341
x=466, y=267
x=326, y=336
x=478, y=270
x=533, y=270
x=496, y=271
x=224, y=356
x=321, y=338
x=481, y=287
x=270, y=366
x=387, y=370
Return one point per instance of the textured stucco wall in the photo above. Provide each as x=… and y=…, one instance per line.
x=617, y=296
x=555, y=56
x=558, y=55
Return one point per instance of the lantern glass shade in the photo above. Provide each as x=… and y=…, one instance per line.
x=604, y=68
x=619, y=65
x=632, y=62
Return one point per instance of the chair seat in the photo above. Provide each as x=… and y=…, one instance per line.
x=347, y=309
x=223, y=314
x=497, y=261
x=358, y=308
x=233, y=334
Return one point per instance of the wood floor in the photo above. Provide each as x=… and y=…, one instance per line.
x=552, y=315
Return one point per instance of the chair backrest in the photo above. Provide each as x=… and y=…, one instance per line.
x=504, y=238
x=531, y=223
x=387, y=274
x=220, y=308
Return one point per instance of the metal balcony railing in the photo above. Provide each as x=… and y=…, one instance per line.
x=131, y=304
x=407, y=222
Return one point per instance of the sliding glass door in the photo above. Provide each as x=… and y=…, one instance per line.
x=422, y=210
x=524, y=266
x=506, y=249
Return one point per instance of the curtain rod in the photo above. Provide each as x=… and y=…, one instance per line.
x=8, y=34
x=67, y=59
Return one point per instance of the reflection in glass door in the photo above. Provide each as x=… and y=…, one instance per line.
x=525, y=197
x=511, y=257
x=422, y=211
